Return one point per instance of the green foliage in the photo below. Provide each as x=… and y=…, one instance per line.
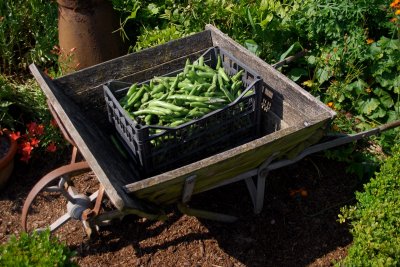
x=28, y=32
x=21, y=103
x=38, y=249
x=261, y=26
x=375, y=219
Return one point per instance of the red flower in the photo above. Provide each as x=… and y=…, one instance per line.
x=40, y=129
x=53, y=123
x=51, y=147
x=26, y=148
x=34, y=142
x=31, y=127
x=14, y=135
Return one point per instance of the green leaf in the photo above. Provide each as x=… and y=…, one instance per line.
x=267, y=20
x=369, y=106
x=358, y=86
x=296, y=73
x=392, y=116
x=397, y=107
x=5, y=104
x=252, y=46
x=384, y=98
x=322, y=75
x=290, y=49
x=250, y=18
x=154, y=10
x=311, y=60
x=378, y=113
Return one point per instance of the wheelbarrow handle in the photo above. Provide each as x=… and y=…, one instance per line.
x=389, y=126
x=338, y=141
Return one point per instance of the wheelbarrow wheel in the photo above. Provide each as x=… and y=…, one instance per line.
x=55, y=199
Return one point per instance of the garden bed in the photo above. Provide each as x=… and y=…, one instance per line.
x=291, y=231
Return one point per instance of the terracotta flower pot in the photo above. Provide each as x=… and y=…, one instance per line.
x=88, y=33
x=7, y=160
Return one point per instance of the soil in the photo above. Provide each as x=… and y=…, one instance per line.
x=297, y=227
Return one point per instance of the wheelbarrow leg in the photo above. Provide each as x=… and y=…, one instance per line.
x=257, y=191
x=186, y=196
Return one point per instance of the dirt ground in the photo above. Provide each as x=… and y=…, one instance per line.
x=297, y=227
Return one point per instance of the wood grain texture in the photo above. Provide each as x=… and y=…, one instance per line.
x=301, y=114
x=297, y=118
x=112, y=172
x=167, y=187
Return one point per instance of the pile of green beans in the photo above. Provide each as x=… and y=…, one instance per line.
x=191, y=94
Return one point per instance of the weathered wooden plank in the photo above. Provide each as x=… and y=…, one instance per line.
x=78, y=100
x=167, y=187
x=112, y=171
x=301, y=113
x=118, y=68
x=91, y=100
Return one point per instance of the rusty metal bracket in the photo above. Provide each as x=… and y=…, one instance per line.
x=73, y=168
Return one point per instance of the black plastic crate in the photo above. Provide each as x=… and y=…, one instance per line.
x=219, y=130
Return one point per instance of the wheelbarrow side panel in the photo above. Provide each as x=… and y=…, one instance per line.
x=78, y=100
x=92, y=143
x=168, y=187
x=85, y=86
x=292, y=119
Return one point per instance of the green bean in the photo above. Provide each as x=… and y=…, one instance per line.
x=165, y=105
x=222, y=88
x=237, y=76
x=132, y=89
x=222, y=73
x=190, y=98
x=134, y=98
x=158, y=88
x=219, y=63
x=148, y=111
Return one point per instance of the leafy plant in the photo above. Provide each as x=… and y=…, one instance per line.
x=38, y=249
x=28, y=31
x=24, y=111
x=375, y=219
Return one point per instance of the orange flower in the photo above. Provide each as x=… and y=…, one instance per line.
x=14, y=135
x=370, y=41
x=330, y=104
x=393, y=20
x=368, y=90
x=397, y=12
x=395, y=4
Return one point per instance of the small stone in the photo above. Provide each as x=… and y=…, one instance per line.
x=9, y=224
x=273, y=221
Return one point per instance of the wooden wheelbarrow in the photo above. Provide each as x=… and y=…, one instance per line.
x=292, y=124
